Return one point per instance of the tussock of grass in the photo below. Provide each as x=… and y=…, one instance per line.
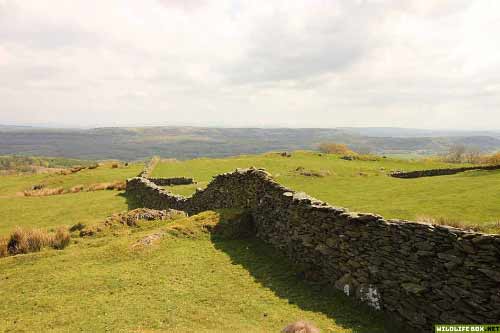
x=76, y=189
x=489, y=227
x=61, y=239
x=27, y=240
x=4, y=250
x=312, y=173
x=448, y=222
x=43, y=192
x=117, y=186
x=22, y=241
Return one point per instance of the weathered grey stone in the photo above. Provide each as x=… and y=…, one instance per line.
x=494, y=275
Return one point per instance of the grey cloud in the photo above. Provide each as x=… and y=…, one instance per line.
x=279, y=53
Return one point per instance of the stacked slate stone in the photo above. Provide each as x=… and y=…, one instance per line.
x=440, y=172
x=419, y=273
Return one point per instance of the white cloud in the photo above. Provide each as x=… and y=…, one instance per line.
x=313, y=63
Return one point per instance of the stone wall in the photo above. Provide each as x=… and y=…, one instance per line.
x=440, y=172
x=421, y=274
x=172, y=181
x=149, y=166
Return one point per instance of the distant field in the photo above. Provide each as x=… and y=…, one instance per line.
x=11, y=184
x=55, y=210
x=66, y=209
x=470, y=197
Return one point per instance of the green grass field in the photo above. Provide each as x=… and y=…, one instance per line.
x=52, y=211
x=364, y=186
x=67, y=209
x=13, y=184
x=181, y=284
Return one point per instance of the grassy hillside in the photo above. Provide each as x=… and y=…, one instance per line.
x=186, y=282
x=470, y=197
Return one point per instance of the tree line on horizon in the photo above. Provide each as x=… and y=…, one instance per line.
x=456, y=154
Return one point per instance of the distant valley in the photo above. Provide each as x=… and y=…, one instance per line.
x=136, y=143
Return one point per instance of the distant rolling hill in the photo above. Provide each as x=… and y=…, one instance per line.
x=189, y=142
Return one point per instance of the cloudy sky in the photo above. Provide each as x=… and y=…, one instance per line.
x=310, y=63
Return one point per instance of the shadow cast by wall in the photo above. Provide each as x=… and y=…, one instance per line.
x=273, y=271
x=131, y=202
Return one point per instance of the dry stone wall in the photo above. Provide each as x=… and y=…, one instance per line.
x=172, y=181
x=421, y=274
x=440, y=172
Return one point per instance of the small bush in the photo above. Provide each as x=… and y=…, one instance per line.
x=114, y=166
x=335, y=148
x=61, y=239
